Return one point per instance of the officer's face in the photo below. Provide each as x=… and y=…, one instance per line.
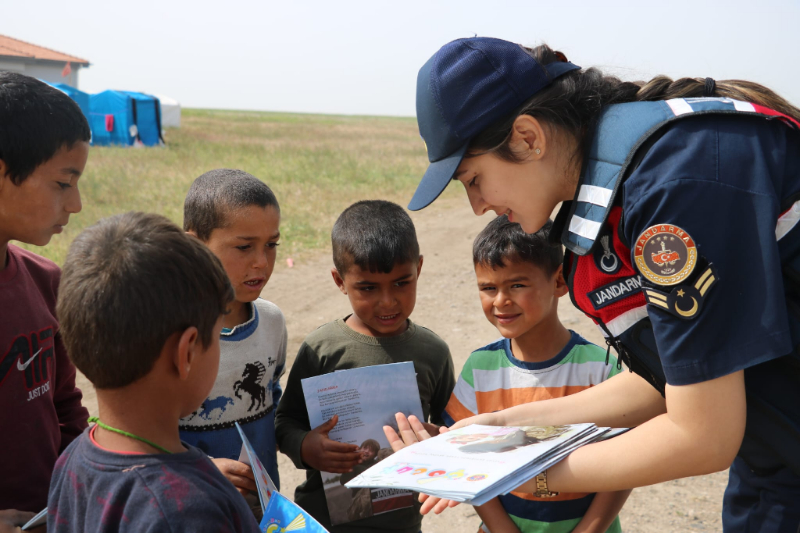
x=520, y=299
x=528, y=189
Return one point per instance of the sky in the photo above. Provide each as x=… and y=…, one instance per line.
x=362, y=57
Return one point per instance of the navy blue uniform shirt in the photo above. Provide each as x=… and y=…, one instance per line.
x=726, y=180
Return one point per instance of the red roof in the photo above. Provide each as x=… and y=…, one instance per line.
x=10, y=47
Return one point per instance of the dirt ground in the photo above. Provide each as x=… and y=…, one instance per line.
x=447, y=303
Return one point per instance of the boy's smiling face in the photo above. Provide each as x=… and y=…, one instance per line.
x=40, y=206
x=247, y=247
x=381, y=302
x=519, y=297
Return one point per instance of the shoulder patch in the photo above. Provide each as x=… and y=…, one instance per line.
x=684, y=301
x=665, y=255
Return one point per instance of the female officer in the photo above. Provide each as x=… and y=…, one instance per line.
x=679, y=220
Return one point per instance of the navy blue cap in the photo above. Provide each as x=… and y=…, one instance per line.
x=464, y=88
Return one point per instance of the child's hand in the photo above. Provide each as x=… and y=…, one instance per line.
x=485, y=419
x=237, y=473
x=11, y=520
x=432, y=429
x=326, y=455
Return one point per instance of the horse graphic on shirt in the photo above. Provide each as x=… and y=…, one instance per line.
x=251, y=384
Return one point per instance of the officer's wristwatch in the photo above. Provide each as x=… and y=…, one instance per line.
x=541, y=487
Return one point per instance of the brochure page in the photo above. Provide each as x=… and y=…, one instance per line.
x=280, y=513
x=366, y=399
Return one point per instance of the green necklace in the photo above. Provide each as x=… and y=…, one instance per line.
x=126, y=434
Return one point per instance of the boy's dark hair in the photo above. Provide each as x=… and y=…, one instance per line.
x=217, y=192
x=376, y=235
x=372, y=444
x=502, y=241
x=36, y=120
x=129, y=282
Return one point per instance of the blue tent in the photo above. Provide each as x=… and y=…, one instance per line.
x=148, y=117
x=80, y=97
x=113, y=115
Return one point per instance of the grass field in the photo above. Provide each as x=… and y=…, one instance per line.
x=316, y=164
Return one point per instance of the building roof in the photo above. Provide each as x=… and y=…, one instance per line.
x=10, y=47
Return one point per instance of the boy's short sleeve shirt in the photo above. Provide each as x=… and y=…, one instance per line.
x=98, y=490
x=493, y=379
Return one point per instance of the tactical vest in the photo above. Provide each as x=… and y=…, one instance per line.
x=602, y=280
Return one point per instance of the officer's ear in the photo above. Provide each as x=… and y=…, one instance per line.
x=560, y=287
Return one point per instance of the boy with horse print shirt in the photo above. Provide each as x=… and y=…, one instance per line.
x=238, y=218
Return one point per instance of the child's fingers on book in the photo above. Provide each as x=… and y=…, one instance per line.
x=241, y=482
x=341, y=447
x=420, y=431
x=242, y=470
x=229, y=467
x=394, y=439
x=406, y=432
x=428, y=503
x=432, y=503
x=14, y=517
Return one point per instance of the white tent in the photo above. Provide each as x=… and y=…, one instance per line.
x=170, y=112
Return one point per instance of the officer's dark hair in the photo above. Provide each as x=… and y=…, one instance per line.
x=129, y=282
x=216, y=193
x=36, y=120
x=503, y=242
x=572, y=102
x=376, y=235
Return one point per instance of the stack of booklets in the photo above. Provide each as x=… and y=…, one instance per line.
x=477, y=463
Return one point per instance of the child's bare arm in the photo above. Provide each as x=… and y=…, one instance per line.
x=496, y=518
x=324, y=454
x=601, y=513
x=237, y=473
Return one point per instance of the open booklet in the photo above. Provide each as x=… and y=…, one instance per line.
x=280, y=513
x=366, y=399
x=476, y=463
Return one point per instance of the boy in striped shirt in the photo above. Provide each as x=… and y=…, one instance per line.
x=520, y=280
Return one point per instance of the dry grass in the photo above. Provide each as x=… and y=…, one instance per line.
x=316, y=164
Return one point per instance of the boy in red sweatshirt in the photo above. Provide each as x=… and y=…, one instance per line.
x=44, y=143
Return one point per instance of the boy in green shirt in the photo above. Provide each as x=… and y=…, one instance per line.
x=377, y=264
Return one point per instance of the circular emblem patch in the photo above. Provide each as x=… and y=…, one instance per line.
x=665, y=254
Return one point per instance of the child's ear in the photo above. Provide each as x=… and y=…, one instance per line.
x=192, y=232
x=419, y=265
x=338, y=280
x=186, y=352
x=561, y=287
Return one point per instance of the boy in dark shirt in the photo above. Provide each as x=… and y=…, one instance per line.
x=44, y=143
x=141, y=305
